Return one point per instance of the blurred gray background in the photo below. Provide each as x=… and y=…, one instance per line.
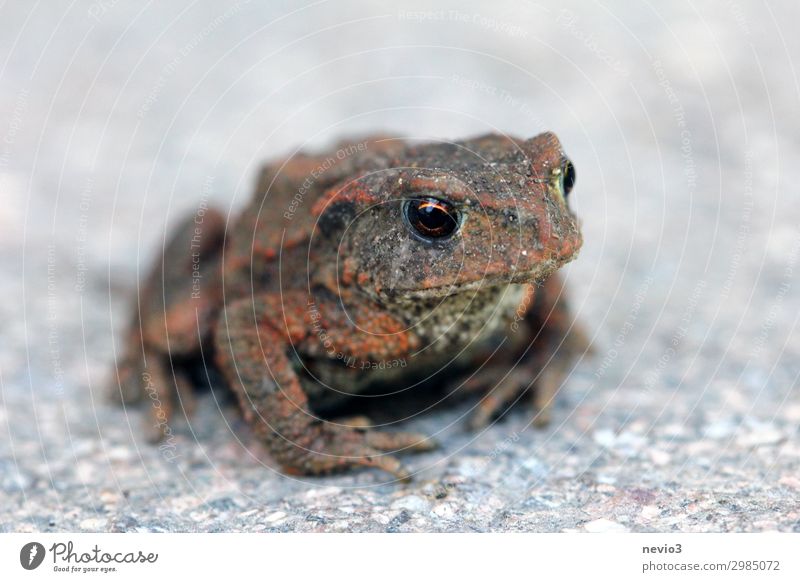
x=682, y=119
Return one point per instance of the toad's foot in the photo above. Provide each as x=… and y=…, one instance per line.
x=334, y=448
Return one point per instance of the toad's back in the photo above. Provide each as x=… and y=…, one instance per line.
x=277, y=223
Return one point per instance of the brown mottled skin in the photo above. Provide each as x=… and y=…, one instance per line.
x=323, y=288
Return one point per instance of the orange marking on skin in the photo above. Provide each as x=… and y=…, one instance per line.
x=352, y=193
x=348, y=271
x=266, y=252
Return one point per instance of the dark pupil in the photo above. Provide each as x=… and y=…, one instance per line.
x=432, y=218
x=568, y=176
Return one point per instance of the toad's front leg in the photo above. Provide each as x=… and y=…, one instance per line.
x=253, y=340
x=554, y=342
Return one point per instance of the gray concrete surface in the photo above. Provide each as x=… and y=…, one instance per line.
x=682, y=120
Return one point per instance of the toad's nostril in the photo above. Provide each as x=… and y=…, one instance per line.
x=510, y=218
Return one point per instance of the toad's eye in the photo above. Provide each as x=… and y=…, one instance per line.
x=567, y=176
x=431, y=218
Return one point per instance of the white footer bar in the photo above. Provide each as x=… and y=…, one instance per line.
x=351, y=557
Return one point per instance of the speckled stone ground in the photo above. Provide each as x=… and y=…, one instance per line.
x=116, y=118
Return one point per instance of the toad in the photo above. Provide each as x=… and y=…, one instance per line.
x=379, y=263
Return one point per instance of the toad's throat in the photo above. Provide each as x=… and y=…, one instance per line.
x=459, y=319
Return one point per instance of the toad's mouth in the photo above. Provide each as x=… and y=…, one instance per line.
x=536, y=275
